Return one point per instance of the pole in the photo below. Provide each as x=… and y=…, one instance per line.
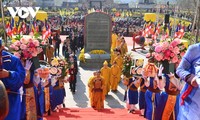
x=3, y=21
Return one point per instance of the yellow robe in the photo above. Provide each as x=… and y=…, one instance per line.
x=113, y=56
x=119, y=61
x=90, y=86
x=105, y=73
x=118, y=42
x=114, y=39
x=97, y=97
x=114, y=76
x=124, y=49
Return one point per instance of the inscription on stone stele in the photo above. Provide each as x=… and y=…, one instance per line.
x=97, y=32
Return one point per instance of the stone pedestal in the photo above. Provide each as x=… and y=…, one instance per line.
x=95, y=60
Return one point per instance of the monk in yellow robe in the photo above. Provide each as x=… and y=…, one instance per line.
x=119, y=61
x=49, y=53
x=113, y=55
x=123, y=47
x=114, y=76
x=119, y=41
x=97, y=84
x=114, y=39
x=105, y=73
x=90, y=88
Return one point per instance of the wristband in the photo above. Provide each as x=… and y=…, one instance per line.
x=159, y=77
x=9, y=74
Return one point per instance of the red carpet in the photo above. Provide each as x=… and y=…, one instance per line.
x=91, y=114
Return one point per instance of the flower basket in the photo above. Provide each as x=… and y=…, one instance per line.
x=168, y=67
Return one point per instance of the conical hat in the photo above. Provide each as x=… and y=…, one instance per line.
x=105, y=63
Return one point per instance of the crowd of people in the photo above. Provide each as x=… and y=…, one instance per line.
x=36, y=89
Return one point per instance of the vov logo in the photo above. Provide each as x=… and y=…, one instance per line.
x=20, y=10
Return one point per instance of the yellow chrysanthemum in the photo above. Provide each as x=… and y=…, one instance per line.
x=97, y=52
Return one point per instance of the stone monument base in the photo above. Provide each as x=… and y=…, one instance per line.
x=95, y=60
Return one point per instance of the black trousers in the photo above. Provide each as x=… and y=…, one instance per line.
x=72, y=85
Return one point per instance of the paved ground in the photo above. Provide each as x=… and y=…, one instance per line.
x=81, y=99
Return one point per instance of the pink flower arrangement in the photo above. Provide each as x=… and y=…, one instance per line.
x=26, y=48
x=171, y=50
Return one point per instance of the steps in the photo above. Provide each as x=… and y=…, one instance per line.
x=91, y=114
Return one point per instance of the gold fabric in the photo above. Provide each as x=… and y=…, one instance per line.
x=169, y=108
x=46, y=99
x=31, y=113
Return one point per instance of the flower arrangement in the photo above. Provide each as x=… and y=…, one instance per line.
x=26, y=48
x=170, y=50
x=43, y=72
x=127, y=65
x=97, y=52
x=58, y=67
x=82, y=56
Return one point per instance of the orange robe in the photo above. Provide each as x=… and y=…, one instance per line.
x=119, y=61
x=90, y=89
x=97, y=95
x=105, y=73
x=114, y=76
x=114, y=39
x=118, y=42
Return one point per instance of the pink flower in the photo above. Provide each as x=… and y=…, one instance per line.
x=36, y=43
x=31, y=50
x=171, y=47
x=16, y=48
x=167, y=53
x=172, y=55
x=17, y=43
x=165, y=45
x=12, y=46
x=177, y=40
x=176, y=50
x=43, y=42
x=148, y=55
x=158, y=57
x=158, y=48
x=24, y=41
x=174, y=43
x=182, y=54
x=174, y=59
x=34, y=53
x=31, y=34
x=31, y=45
x=163, y=37
x=17, y=54
x=23, y=46
x=30, y=40
x=26, y=54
